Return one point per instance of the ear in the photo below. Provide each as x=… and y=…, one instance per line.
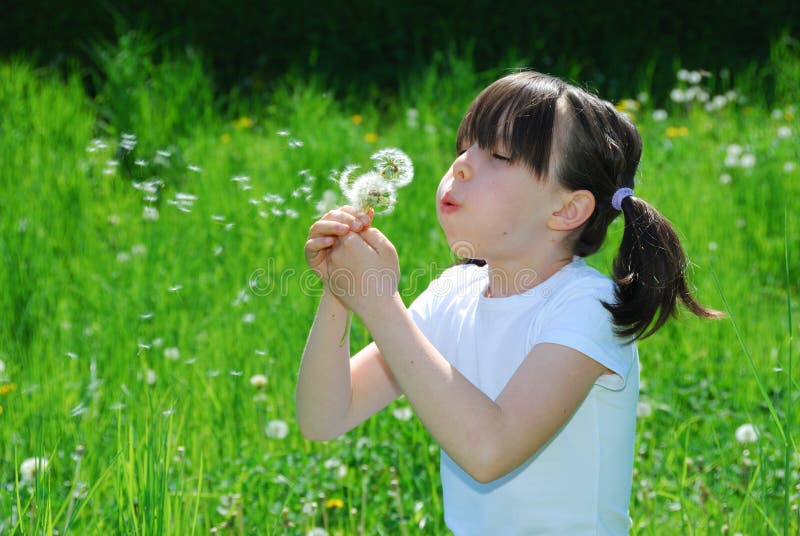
x=576, y=208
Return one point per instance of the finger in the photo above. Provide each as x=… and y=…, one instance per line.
x=377, y=241
x=315, y=245
x=328, y=228
x=346, y=215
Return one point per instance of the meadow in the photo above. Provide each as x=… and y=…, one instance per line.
x=156, y=301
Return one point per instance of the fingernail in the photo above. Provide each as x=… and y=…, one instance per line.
x=356, y=225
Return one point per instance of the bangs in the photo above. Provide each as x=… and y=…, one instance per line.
x=515, y=116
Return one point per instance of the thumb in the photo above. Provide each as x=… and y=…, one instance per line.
x=377, y=241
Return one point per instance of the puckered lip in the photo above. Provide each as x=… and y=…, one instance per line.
x=448, y=201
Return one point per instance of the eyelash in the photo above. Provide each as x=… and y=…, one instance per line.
x=497, y=156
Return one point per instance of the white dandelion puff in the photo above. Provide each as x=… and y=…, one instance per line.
x=725, y=178
x=372, y=190
x=150, y=214
x=402, y=414
x=746, y=433
x=196, y=169
x=151, y=377
x=259, y=381
x=789, y=166
x=172, y=353
x=394, y=166
x=784, y=132
x=659, y=115
x=248, y=318
x=30, y=467
x=277, y=429
x=748, y=160
x=283, y=133
x=644, y=409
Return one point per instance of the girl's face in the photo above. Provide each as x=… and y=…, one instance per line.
x=493, y=209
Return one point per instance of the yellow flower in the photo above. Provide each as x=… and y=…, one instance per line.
x=7, y=388
x=677, y=132
x=627, y=105
x=243, y=122
x=357, y=119
x=789, y=115
x=371, y=137
x=334, y=503
x=225, y=138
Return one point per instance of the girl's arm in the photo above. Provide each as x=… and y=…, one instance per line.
x=486, y=438
x=335, y=393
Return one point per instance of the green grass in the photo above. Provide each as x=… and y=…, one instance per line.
x=96, y=299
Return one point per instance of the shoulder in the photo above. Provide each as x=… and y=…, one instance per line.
x=581, y=284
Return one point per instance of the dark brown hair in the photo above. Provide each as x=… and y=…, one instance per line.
x=563, y=132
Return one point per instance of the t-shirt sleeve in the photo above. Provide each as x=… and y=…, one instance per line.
x=580, y=321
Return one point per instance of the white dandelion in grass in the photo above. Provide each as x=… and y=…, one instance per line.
x=746, y=433
x=277, y=429
x=376, y=190
x=31, y=467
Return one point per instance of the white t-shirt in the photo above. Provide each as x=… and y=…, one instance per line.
x=580, y=482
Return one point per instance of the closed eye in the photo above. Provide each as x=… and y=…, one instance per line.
x=501, y=157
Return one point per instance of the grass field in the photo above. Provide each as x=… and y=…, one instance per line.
x=152, y=268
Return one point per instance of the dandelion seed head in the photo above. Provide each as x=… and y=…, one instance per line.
x=277, y=429
x=259, y=381
x=30, y=467
x=659, y=115
x=172, y=353
x=394, y=166
x=748, y=160
x=248, y=318
x=151, y=377
x=746, y=433
x=784, y=132
x=644, y=409
x=372, y=190
x=150, y=213
x=725, y=178
x=402, y=414
x=788, y=167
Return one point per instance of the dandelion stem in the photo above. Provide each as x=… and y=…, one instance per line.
x=348, y=323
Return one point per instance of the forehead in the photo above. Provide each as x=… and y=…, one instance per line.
x=517, y=113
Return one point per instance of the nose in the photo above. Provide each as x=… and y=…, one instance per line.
x=462, y=166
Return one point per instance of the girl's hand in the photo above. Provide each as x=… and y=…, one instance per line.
x=323, y=234
x=363, y=271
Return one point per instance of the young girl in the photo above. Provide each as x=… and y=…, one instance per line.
x=522, y=364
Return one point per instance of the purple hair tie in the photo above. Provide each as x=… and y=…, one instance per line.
x=619, y=195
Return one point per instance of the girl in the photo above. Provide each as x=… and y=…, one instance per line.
x=522, y=364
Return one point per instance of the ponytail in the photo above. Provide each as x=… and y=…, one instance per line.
x=650, y=273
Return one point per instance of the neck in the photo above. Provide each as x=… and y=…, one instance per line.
x=515, y=277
